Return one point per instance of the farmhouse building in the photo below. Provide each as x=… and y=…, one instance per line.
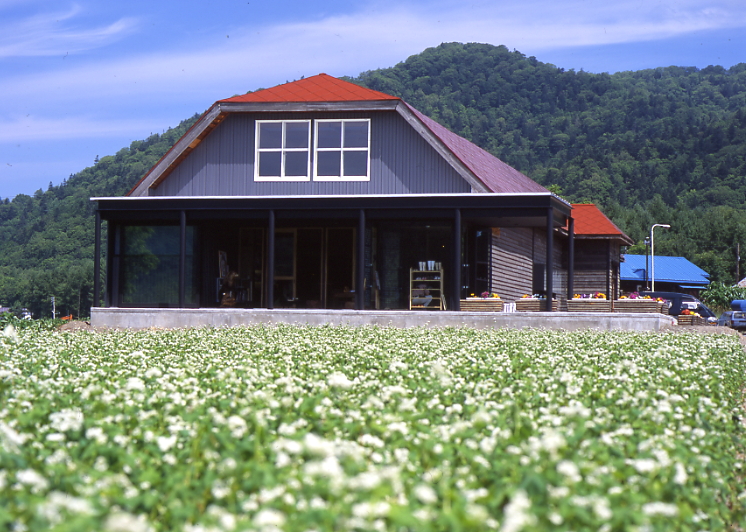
x=323, y=194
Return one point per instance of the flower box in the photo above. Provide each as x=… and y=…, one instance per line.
x=588, y=305
x=638, y=305
x=530, y=304
x=690, y=319
x=481, y=304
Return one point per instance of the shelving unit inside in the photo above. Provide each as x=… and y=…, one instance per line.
x=426, y=282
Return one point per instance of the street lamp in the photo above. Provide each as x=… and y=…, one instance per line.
x=647, y=263
x=652, y=255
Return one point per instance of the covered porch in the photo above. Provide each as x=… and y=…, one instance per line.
x=304, y=252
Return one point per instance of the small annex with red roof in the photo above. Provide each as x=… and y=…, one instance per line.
x=321, y=193
x=597, y=251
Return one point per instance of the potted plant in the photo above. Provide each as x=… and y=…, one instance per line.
x=595, y=302
x=484, y=302
x=635, y=302
x=534, y=303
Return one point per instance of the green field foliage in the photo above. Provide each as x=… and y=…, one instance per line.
x=337, y=428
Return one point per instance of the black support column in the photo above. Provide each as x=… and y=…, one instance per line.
x=571, y=258
x=360, y=263
x=97, y=262
x=182, y=259
x=550, y=258
x=271, y=261
x=455, y=282
x=608, y=270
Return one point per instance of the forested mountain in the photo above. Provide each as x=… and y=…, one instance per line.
x=666, y=145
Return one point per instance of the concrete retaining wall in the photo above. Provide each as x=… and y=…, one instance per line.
x=122, y=318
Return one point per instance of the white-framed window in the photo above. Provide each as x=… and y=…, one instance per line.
x=342, y=150
x=282, y=150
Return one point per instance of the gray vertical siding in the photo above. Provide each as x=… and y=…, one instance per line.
x=402, y=162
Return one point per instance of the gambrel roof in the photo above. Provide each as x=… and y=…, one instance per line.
x=483, y=171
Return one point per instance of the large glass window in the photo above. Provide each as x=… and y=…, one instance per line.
x=282, y=150
x=342, y=150
x=150, y=266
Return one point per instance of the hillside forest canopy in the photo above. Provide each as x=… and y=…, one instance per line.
x=664, y=145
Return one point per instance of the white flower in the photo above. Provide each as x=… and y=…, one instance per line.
x=31, y=478
x=153, y=372
x=516, y=515
x=126, y=522
x=9, y=438
x=67, y=419
x=660, y=508
x=570, y=470
x=220, y=490
x=371, y=441
x=643, y=465
x=425, y=494
x=10, y=333
x=97, y=434
x=269, y=517
x=317, y=446
x=135, y=383
x=166, y=443
x=56, y=501
x=339, y=380
x=371, y=509
x=237, y=426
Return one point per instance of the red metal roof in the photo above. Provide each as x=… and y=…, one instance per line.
x=590, y=221
x=319, y=88
x=495, y=174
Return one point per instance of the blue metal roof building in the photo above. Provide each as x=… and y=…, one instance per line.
x=671, y=274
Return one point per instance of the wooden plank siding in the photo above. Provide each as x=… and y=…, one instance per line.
x=512, y=261
x=514, y=253
x=401, y=162
x=591, y=272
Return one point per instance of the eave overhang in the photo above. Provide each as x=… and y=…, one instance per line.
x=492, y=210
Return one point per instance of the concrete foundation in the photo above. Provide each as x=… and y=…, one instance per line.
x=129, y=318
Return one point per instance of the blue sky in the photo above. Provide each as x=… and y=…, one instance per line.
x=87, y=77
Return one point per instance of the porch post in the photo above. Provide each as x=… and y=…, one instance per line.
x=182, y=258
x=608, y=269
x=113, y=266
x=271, y=261
x=360, y=270
x=571, y=258
x=97, y=262
x=550, y=255
x=456, y=275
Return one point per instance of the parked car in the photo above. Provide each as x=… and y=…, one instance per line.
x=734, y=319
x=678, y=302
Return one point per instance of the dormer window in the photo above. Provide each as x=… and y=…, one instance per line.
x=342, y=150
x=283, y=150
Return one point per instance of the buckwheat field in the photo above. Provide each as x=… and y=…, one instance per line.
x=335, y=428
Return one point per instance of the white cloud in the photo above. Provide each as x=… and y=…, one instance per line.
x=28, y=128
x=56, y=34
x=254, y=57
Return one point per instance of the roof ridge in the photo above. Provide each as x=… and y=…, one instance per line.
x=319, y=88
